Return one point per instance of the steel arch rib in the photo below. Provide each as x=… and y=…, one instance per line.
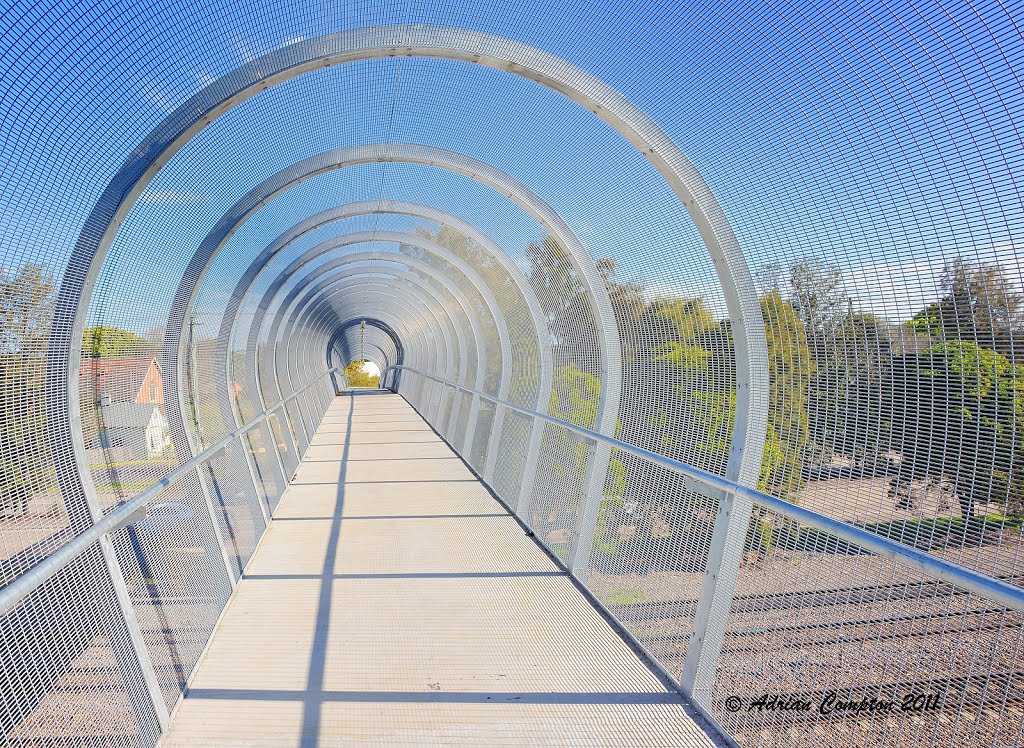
x=259, y=263
x=428, y=246
x=369, y=43
x=268, y=301
x=410, y=334
x=433, y=248
x=385, y=328
x=423, y=293
x=301, y=171
x=385, y=295
x=112, y=207
x=437, y=277
x=447, y=329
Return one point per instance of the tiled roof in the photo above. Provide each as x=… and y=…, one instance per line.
x=118, y=378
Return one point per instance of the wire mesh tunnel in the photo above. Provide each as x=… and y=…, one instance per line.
x=723, y=302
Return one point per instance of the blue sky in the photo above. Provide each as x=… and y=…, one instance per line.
x=880, y=139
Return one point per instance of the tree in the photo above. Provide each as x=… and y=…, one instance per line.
x=501, y=287
x=565, y=302
x=848, y=349
x=955, y=412
x=819, y=297
x=628, y=305
x=357, y=376
x=104, y=341
x=26, y=310
x=980, y=304
x=790, y=371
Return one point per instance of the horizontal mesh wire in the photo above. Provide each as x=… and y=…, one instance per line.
x=69, y=675
x=176, y=580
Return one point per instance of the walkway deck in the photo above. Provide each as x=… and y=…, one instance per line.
x=394, y=601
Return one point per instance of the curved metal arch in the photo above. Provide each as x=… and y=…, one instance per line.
x=302, y=171
x=381, y=305
x=303, y=331
x=316, y=321
x=386, y=307
x=750, y=423
x=397, y=237
x=199, y=264
x=424, y=41
x=545, y=365
x=433, y=318
x=468, y=309
x=372, y=322
x=434, y=275
x=370, y=207
x=375, y=347
x=388, y=296
x=377, y=322
x=269, y=297
x=404, y=334
x=475, y=280
x=425, y=295
x=267, y=301
x=297, y=315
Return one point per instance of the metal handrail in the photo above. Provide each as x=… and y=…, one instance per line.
x=947, y=571
x=17, y=590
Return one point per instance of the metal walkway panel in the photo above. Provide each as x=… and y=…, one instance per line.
x=394, y=601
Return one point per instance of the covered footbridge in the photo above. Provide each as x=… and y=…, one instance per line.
x=700, y=331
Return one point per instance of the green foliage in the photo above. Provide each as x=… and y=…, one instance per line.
x=562, y=297
x=963, y=422
x=790, y=369
x=502, y=287
x=26, y=308
x=104, y=341
x=357, y=376
x=575, y=396
x=979, y=304
x=702, y=421
x=624, y=596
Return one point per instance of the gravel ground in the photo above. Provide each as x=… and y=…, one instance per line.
x=904, y=628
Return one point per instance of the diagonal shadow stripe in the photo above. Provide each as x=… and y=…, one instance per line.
x=311, y=710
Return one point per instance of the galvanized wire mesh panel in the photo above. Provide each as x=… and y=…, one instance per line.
x=844, y=333
x=235, y=503
x=511, y=461
x=176, y=580
x=69, y=674
x=879, y=653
